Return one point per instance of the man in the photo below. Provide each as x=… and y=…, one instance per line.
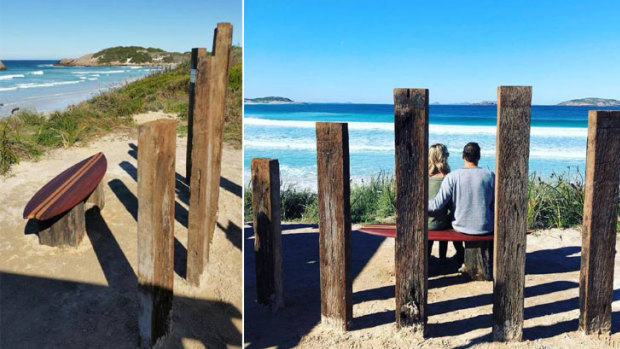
x=470, y=191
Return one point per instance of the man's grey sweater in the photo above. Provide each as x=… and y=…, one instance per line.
x=470, y=191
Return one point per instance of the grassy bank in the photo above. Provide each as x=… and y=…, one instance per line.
x=27, y=135
x=556, y=202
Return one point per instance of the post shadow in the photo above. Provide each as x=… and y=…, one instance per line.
x=130, y=201
x=182, y=187
x=233, y=233
x=115, y=265
x=70, y=314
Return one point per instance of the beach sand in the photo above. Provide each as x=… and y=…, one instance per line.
x=86, y=297
x=459, y=310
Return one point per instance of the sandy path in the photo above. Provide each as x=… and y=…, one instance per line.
x=460, y=310
x=85, y=297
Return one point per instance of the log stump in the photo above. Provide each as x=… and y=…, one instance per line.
x=96, y=198
x=66, y=229
x=478, y=260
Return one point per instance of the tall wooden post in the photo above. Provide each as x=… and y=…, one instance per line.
x=332, y=154
x=156, y=161
x=193, y=65
x=206, y=153
x=411, y=139
x=511, y=176
x=599, y=222
x=267, y=231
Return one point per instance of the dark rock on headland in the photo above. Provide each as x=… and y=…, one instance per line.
x=2, y=67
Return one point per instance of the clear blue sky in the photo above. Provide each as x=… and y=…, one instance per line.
x=358, y=51
x=53, y=29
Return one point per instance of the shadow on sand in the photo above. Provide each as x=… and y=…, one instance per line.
x=302, y=292
x=81, y=315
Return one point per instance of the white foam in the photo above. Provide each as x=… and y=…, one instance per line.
x=49, y=84
x=135, y=67
x=11, y=76
x=92, y=79
x=45, y=65
x=433, y=128
x=8, y=88
x=95, y=75
x=82, y=78
x=38, y=72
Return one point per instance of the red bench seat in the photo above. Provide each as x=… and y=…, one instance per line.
x=389, y=230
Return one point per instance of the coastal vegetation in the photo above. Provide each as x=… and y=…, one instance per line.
x=27, y=135
x=554, y=202
x=592, y=101
x=123, y=55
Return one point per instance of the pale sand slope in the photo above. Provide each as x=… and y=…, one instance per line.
x=459, y=310
x=87, y=297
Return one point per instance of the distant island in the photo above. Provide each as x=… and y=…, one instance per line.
x=127, y=55
x=484, y=103
x=591, y=101
x=268, y=100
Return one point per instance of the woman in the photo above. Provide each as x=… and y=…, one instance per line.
x=438, y=168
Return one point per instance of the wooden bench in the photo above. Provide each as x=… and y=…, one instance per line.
x=478, y=254
x=58, y=207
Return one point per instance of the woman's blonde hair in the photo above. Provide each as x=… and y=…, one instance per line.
x=438, y=159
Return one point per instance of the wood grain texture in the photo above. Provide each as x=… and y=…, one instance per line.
x=411, y=251
x=67, y=189
x=66, y=229
x=599, y=222
x=96, y=198
x=206, y=154
x=156, y=198
x=267, y=231
x=193, y=65
x=511, y=180
x=217, y=110
x=478, y=260
x=332, y=145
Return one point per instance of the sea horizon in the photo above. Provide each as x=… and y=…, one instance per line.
x=558, y=137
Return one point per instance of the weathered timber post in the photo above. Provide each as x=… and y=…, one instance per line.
x=267, y=231
x=411, y=140
x=332, y=154
x=511, y=176
x=599, y=222
x=206, y=153
x=156, y=182
x=96, y=198
x=193, y=65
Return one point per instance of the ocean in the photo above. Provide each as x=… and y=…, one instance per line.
x=558, y=137
x=41, y=86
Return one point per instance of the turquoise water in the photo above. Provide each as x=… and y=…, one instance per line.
x=41, y=86
x=287, y=132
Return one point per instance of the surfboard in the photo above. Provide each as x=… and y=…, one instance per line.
x=67, y=189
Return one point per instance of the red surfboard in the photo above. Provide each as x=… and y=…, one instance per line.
x=67, y=189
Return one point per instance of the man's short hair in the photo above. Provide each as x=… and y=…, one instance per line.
x=471, y=152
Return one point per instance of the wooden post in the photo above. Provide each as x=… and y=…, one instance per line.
x=267, y=231
x=197, y=53
x=332, y=156
x=599, y=222
x=411, y=140
x=206, y=153
x=511, y=176
x=156, y=182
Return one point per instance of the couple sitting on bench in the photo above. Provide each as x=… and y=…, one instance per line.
x=462, y=199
